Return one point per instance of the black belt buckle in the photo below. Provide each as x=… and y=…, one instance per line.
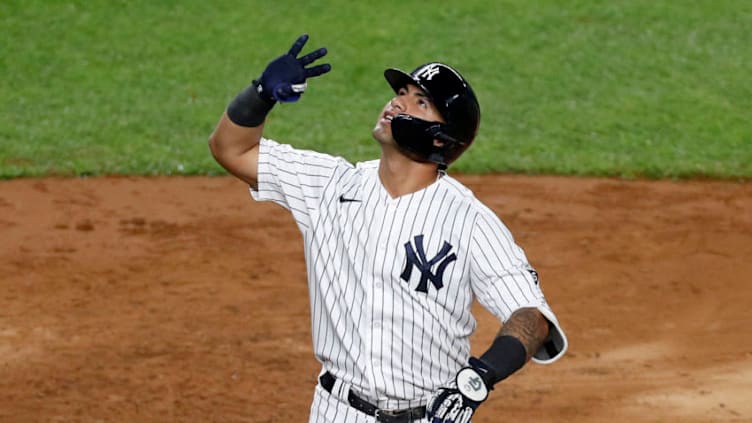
x=382, y=417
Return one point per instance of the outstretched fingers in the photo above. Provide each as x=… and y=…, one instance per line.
x=313, y=56
x=298, y=45
x=317, y=70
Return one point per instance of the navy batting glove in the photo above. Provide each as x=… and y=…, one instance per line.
x=284, y=78
x=457, y=403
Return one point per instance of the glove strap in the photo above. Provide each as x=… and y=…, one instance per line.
x=470, y=383
x=250, y=107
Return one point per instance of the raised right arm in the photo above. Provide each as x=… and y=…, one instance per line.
x=235, y=148
x=235, y=141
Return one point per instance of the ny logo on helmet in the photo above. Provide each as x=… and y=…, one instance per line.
x=416, y=257
x=429, y=71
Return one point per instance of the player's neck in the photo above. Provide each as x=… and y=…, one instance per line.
x=401, y=176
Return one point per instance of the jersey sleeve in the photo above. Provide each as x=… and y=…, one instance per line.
x=292, y=178
x=504, y=281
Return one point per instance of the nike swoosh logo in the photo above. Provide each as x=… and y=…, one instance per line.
x=342, y=199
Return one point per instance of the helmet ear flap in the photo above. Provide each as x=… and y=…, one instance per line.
x=416, y=138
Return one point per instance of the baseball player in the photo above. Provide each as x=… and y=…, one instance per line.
x=396, y=250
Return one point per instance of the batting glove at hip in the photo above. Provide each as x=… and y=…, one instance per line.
x=458, y=402
x=284, y=78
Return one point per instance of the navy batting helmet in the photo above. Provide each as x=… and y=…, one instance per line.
x=455, y=101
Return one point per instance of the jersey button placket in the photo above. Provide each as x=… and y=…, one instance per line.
x=376, y=297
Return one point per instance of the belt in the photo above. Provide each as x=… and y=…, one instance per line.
x=387, y=416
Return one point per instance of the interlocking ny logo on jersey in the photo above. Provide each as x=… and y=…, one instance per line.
x=420, y=261
x=429, y=71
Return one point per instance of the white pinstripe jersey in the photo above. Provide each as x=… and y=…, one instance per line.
x=392, y=280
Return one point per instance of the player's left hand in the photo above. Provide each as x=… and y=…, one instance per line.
x=457, y=403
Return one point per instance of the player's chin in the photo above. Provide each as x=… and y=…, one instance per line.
x=382, y=133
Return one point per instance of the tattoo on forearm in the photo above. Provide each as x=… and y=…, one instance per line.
x=529, y=326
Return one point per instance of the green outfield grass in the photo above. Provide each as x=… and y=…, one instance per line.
x=642, y=88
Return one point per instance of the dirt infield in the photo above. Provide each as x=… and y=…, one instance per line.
x=182, y=300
